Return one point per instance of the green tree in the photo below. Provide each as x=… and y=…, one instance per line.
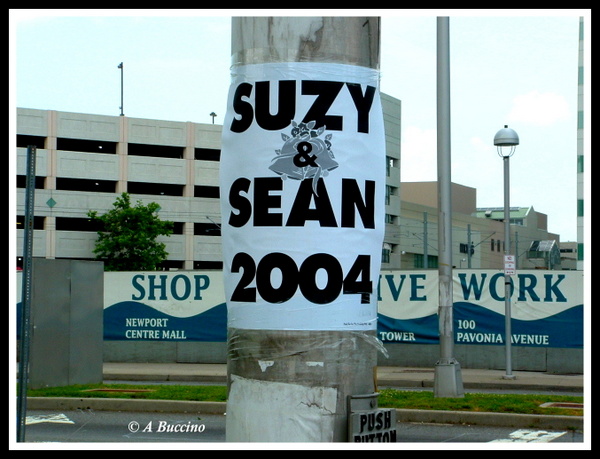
x=127, y=241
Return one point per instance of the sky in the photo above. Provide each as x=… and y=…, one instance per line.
x=507, y=67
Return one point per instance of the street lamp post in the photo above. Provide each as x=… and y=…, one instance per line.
x=506, y=141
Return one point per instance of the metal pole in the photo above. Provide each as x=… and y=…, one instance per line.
x=507, y=277
x=469, y=242
x=425, y=243
x=121, y=107
x=26, y=294
x=516, y=250
x=448, y=379
x=335, y=361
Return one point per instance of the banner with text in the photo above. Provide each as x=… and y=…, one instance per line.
x=302, y=180
x=547, y=307
x=164, y=306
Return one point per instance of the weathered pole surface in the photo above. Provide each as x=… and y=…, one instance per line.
x=448, y=378
x=289, y=378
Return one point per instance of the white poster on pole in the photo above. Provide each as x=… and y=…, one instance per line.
x=302, y=183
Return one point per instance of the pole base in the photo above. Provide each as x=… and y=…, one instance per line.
x=448, y=380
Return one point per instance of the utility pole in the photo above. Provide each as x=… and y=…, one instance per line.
x=469, y=246
x=301, y=316
x=447, y=376
x=425, y=242
x=120, y=66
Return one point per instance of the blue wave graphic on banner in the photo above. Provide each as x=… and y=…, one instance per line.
x=474, y=324
x=480, y=325
x=423, y=330
x=130, y=320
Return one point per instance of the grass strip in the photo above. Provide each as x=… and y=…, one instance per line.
x=484, y=402
x=388, y=398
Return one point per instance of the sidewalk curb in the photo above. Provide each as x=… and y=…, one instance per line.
x=491, y=419
x=473, y=385
x=219, y=408
x=381, y=382
x=164, y=377
x=124, y=404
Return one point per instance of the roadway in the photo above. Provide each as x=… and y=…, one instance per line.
x=64, y=428
x=58, y=422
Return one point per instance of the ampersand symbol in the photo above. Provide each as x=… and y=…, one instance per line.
x=302, y=159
